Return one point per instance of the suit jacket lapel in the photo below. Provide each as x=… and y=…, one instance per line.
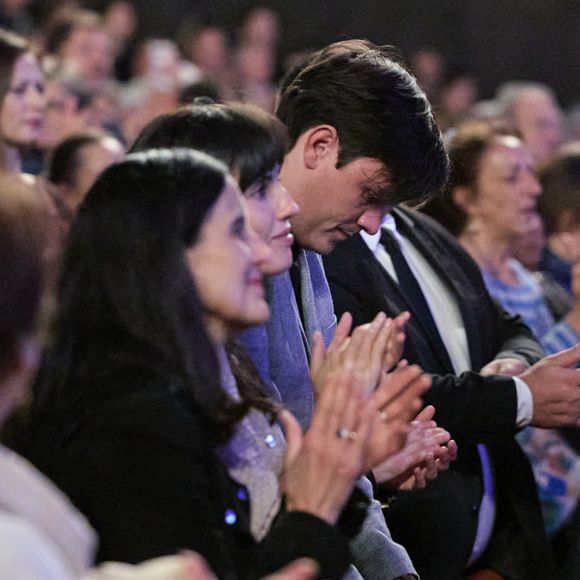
x=394, y=302
x=449, y=272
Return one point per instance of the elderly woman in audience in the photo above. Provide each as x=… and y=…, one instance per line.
x=492, y=200
x=137, y=416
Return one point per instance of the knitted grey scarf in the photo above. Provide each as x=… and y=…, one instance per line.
x=254, y=457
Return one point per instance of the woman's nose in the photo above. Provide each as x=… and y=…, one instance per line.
x=287, y=206
x=260, y=251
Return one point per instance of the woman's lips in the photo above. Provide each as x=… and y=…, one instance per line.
x=255, y=280
x=35, y=124
x=285, y=237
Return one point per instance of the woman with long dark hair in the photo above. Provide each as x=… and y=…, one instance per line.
x=131, y=413
x=252, y=144
x=21, y=100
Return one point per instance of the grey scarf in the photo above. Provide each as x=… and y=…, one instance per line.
x=254, y=457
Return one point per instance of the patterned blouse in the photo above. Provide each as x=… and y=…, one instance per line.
x=556, y=466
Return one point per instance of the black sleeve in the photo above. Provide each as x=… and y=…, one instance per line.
x=474, y=408
x=300, y=535
x=516, y=339
x=513, y=338
x=149, y=484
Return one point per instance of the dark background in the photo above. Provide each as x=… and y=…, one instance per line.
x=497, y=39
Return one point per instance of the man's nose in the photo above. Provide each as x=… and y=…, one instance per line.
x=370, y=220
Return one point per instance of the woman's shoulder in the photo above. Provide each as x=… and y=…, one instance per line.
x=154, y=410
x=117, y=411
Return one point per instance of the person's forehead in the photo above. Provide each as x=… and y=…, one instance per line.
x=536, y=103
x=505, y=152
x=27, y=64
x=368, y=171
x=372, y=180
x=86, y=35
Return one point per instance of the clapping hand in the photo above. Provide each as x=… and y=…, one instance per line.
x=427, y=452
x=322, y=465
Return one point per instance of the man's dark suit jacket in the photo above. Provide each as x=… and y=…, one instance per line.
x=438, y=525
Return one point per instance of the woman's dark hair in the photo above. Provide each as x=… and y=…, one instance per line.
x=559, y=204
x=12, y=47
x=244, y=137
x=466, y=148
x=22, y=240
x=248, y=140
x=126, y=296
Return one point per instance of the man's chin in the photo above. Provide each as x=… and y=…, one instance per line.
x=328, y=244
x=323, y=243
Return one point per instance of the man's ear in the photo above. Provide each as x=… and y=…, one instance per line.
x=320, y=144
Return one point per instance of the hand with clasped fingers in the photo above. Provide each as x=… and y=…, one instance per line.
x=427, y=452
x=396, y=394
x=397, y=399
x=322, y=465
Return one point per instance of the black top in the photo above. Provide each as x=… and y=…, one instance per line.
x=139, y=463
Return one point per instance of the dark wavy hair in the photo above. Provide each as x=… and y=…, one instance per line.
x=249, y=141
x=12, y=47
x=23, y=235
x=378, y=111
x=126, y=298
x=242, y=136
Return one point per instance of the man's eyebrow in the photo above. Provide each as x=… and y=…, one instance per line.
x=374, y=194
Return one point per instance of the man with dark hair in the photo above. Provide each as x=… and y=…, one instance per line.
x=362, y=138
